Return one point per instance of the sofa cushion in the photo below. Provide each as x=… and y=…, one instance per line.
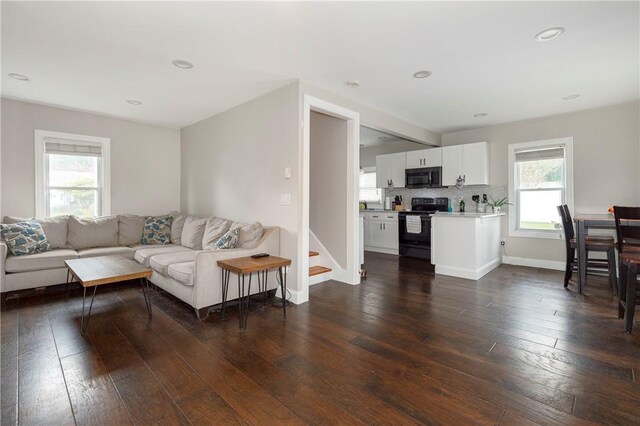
x=157, y=230
x=106, y=251
x=182, y=272
x=160, y=262
x=38, y=261
x=227, y=241
x=24, y=238
x=130, y=229
x=55, y=228
x=143, y=255
x=215, y=228
x=193, y=232
x=96, y=232
x=250, y=233
x=177, y=226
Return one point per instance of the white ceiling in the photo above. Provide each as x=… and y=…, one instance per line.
x=370, y=137
x=95, y=55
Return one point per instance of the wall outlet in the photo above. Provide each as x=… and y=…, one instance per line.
x=285, y=199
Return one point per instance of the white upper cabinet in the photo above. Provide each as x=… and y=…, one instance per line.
x=451, y=164
x=390, y=168
x=424, y=158
x=475, y=163
x=468, y=160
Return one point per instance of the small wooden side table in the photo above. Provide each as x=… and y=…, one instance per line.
x=242, y=266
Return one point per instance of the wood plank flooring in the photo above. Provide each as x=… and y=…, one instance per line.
x=404, y=347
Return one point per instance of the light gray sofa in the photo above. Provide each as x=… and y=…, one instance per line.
x=183, y=268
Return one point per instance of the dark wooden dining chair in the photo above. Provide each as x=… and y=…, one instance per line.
x=595, y=243
x=629, y=254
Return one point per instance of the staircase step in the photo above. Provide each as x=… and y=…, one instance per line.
x=313, y=253
x=317, y=270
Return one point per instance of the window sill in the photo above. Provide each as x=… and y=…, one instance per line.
x=549, y=235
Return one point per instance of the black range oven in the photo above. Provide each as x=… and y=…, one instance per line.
x=415, y=240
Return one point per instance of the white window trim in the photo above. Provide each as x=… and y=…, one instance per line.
x=40, y=170
x=370, y=169
x=568, y=170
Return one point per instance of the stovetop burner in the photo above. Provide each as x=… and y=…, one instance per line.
x=429, y=205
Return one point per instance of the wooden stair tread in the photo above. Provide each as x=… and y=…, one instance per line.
x=313, y=253
x=317, y=270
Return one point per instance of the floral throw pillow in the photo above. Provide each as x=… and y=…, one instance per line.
x=228, y=240
x=24, y=238
x=157, y=230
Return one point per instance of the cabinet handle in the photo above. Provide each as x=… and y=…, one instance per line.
x=384, y=226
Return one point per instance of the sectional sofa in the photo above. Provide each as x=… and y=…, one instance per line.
x=186, y=268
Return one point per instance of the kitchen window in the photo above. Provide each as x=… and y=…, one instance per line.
x=368, y=190
x=72, y=175
x=540, y=179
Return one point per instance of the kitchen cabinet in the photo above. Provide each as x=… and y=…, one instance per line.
x=468, y=160
x=381, y=232
x=424, y=158
x=390, y=168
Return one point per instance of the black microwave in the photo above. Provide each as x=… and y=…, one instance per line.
x=428, y=177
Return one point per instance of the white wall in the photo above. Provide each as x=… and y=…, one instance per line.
x=145, y=159
x=233, y=166
x=368, y=154
x=606, y=168
x=327, y=184
x=375, y=118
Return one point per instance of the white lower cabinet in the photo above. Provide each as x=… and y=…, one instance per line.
x=381, y=232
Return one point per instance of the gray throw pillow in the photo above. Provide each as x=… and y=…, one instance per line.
x=130, y=229
x=55, y=228
x=227, y=241
x=249, y=235
x=216, y=227
x=24, y=238
x=96, y=232
x=177, y=226
x=193, y=232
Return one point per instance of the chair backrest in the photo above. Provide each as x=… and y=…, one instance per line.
x=567, y=223
x=628, y=234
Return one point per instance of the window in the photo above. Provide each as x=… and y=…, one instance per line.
x=540, y=179
x=72, y=175
x=368, y=190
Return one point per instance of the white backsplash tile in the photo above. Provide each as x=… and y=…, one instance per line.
x=495, y=191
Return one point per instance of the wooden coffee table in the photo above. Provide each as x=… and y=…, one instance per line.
x=242, y=266
x=96, y=271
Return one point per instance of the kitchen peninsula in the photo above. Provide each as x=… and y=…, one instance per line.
x=465, y=245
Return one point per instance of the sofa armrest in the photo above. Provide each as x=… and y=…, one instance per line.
x=208, y=288
x=3, y=258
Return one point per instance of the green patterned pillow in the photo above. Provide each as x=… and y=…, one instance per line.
x=25, y=237
x=228, y=240
x=157, y=230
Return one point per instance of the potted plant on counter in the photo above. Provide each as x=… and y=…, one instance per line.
x=496, y=206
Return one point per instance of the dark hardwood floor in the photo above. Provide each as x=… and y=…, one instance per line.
x=404, y=347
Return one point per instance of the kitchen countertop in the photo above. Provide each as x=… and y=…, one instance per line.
x=377, y=211
x=468, y=214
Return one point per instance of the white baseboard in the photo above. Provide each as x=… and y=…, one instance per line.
x=534, y=263
x=296, y=297
x=382, y=250
x=470, y=274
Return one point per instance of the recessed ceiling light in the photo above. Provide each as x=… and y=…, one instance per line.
x=352, y=83
x=182, y=64
x=568, y=98
x=549, y=34
x=19, y=76
x=480, y=114
x=133, y=102
x=422, y=74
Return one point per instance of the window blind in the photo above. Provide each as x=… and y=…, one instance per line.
x=69, y=147
x=368, y=180
x=540, y=154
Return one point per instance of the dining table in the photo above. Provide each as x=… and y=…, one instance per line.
x=584, y=222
